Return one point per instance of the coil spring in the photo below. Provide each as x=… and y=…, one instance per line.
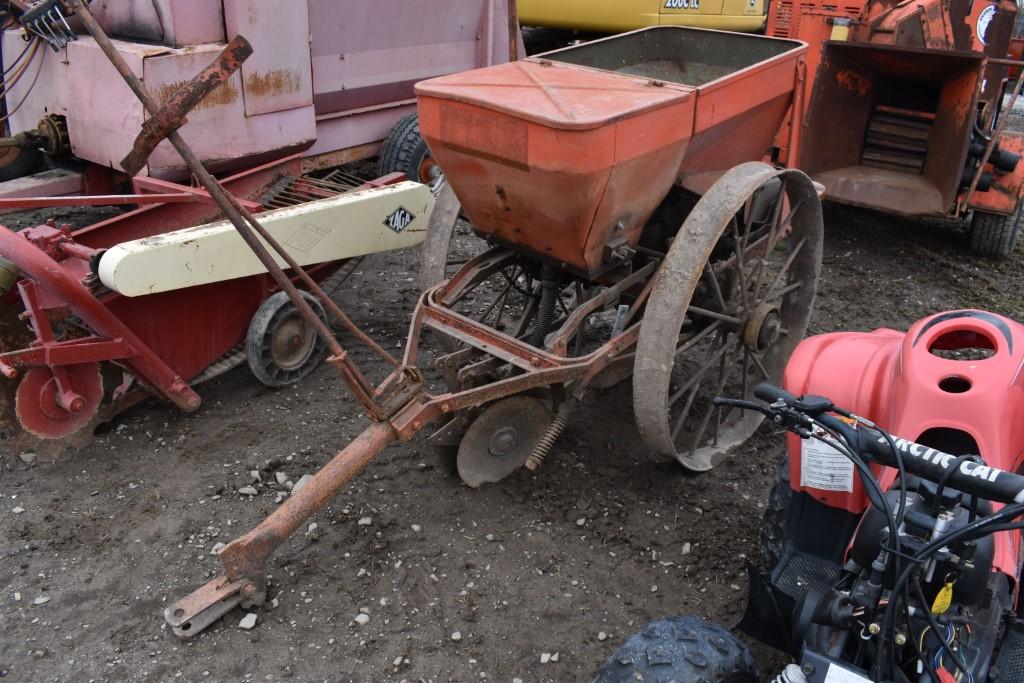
x=547, y=442
x=791, y=674
x=546, y=308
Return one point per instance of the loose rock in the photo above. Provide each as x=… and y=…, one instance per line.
x=248, y=622
x=362, y=619
x=248, y=491
x=456, y=636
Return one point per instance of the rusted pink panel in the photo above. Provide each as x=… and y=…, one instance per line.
x=175, y=23
x=369, y=53
x=278, y=76
x=219, y=128
x=43, y=99
x=103, y=115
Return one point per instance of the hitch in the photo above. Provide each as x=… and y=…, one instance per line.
x=244, y=581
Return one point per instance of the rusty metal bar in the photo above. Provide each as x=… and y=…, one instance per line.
x=172, y=115
x=996, y=134
x=96, y=200
x=513, y=30
x=245, y=557
x=361, y=389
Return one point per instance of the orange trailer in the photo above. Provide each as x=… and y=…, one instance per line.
x=905, y=104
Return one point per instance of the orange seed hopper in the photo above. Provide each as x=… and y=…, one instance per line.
x=568, y=154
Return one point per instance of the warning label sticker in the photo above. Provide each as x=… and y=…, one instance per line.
x=824, y=468
x=837, y=674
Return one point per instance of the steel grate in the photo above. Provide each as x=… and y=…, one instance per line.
x=292, y=190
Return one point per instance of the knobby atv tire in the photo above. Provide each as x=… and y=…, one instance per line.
x=994, y=235
x=681, y=649
x=773, y=525
x=404, y=150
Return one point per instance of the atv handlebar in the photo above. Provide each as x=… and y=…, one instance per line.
x=800, y=415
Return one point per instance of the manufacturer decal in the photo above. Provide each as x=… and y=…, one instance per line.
x=682, y=4
x=944, y=460
x=984, y=19
x=400, y=219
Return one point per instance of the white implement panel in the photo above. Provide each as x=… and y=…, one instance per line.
x=355, y=224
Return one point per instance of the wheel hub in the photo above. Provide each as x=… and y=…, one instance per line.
x=763, y=328
x=42, y=410
x=293, y=342
x=503, y=441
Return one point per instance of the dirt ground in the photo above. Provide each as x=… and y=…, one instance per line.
x=457, y=584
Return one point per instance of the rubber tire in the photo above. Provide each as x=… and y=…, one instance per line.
x=27, y=162
x=275, y=305
x=404, y=150
x=772, y=538
x=994, y=235
x=680, y=649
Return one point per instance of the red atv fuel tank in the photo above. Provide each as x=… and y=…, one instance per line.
x=952, y=382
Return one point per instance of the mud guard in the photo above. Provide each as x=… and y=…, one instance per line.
x=768, y=617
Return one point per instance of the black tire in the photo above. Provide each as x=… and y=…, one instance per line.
x=772, y=538
x=405, y=151
x=279, y=366
x=994, y=235
x=680, y=649
x=18, y=163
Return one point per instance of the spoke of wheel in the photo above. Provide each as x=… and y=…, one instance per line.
x=786, y=266
x=783, y=229
x=760, y=365
x=746, y=372
x=724, y=373
x=709, y=273
x=500, y=300
x=696, y=339
x=693, y=387
x=740, y=266
x=697, y=310
x=779, y=293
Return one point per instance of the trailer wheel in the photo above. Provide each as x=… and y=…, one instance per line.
x=281, y=347
x=730, y=302
x=681, y=649
x=405, y=151
x=994, y=235
x=772, y=538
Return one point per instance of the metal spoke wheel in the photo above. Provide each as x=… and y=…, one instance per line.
x=281, y=347
x=729, y=304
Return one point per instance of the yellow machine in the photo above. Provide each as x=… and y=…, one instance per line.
x=614, y=16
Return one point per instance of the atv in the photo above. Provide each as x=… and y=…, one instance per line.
x=888, y=554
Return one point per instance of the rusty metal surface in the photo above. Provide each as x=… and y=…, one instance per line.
x=868, y=99
x=564, y=156
x=1004, y=196
x=672, y=299
x=173, y=112
x=501, y=439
